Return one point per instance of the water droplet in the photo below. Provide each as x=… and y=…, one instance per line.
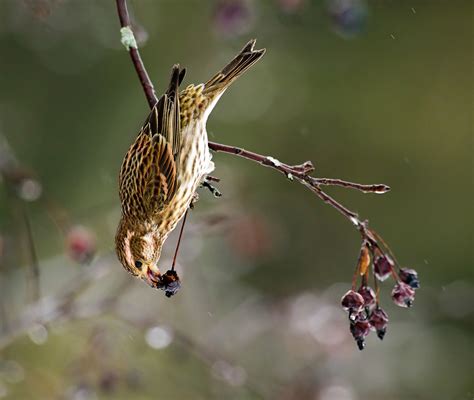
x=336, y=393
x=355, y=221
x=353, y=316
x=159, y=337
x=274, y=161
x=38, y=334
x=82, y=393
x=233, y=375
x=30, y=190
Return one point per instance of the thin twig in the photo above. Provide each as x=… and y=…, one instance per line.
x=179, y=240
x=34, y=269
x=377, y=188
x=145, y=80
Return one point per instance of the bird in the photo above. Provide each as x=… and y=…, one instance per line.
x=165, y=165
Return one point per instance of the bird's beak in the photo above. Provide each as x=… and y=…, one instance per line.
x=152, y=275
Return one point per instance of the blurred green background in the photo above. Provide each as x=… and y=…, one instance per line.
x=376, y=91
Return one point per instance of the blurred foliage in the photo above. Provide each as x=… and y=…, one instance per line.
x=375, y=91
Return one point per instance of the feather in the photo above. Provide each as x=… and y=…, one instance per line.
x=236, y=67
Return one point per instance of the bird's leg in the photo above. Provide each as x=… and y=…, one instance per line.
x=211, y=188
x=194, y=200
x=211, y=178
x=206, y=184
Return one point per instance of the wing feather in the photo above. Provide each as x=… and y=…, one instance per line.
x=148, y=175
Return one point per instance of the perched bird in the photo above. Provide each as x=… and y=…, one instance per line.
x=165, y=165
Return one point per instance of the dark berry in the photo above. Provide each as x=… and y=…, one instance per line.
x=410, y=277
x=352, y=302
x=368, y=295
x=360, y=329
x=170, y=283
x=403, y=295
x=378, y=320
x=383, y=267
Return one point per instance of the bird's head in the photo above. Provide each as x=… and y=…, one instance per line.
x=139, y=251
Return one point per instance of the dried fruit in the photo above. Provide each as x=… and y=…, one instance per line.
x=378, y=320
x=403, y=295
x=364, y=260
x=368, y=295
x=360, y=329
x=410, y=277
x=383, y=267
x=170, y=283
x=352, y=301
x=363, y=305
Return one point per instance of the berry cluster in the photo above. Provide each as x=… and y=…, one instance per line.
x=362, y=304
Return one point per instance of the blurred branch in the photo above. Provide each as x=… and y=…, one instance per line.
x=55, y=307
x=34, y=270
x=299, y=173
x=67, y=305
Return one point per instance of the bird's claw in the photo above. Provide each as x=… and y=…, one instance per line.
x=215, y=192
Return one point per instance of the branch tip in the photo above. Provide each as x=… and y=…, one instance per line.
x=381, y=189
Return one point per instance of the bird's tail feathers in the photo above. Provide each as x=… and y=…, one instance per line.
x=241, y=63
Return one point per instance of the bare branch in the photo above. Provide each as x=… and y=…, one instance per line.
x=35, y=270
x=145, y=80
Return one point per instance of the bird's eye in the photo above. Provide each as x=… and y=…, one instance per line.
x=138, y=264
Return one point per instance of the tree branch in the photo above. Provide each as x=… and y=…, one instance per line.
x=132, y=48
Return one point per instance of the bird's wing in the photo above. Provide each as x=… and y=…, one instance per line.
x=164, y=117
x=148, y=175
x=160, y=182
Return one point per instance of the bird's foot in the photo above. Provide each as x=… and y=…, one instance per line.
x=206, y=184
x=194, y=200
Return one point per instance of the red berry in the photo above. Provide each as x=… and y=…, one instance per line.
x=368, y=295
x=383, y=267
x=410, y=277
x=378, y=320
x=80, y=244
x=360, y=329
x=352, y=302
x=403, y=295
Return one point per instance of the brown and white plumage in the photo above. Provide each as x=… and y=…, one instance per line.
x=164, y=166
